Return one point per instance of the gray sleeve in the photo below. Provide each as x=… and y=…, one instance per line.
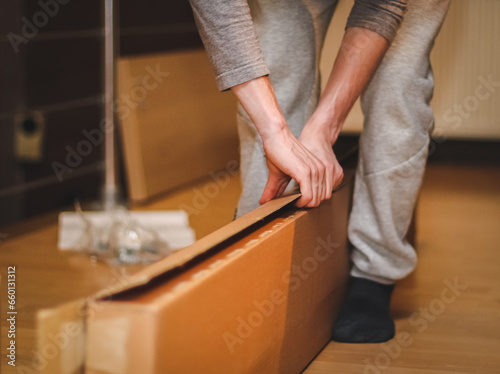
x=380, y=16
x=228, y=33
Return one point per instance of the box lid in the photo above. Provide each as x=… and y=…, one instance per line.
x=196, y=249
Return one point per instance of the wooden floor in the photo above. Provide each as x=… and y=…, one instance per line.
x=47, y=277
x=447, y=313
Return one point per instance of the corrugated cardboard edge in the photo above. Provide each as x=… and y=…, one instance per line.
x=60, y=339
x=241, y=247
x=199, y=247
x=49, y=320
x=133, y=155
x=54, y=322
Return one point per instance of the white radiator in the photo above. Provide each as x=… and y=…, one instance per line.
x=465, y=58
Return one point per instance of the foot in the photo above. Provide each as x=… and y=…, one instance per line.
x=365, y=318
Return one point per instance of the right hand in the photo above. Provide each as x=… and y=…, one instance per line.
x=287, y=158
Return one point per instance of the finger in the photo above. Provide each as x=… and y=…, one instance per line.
x=324, y=182
x=329, y=180
x=339, y=175
x=306, y=191
x=282, y=188
x=303, y=201
x=317, y=183
x=275, y=186
x=269, y=190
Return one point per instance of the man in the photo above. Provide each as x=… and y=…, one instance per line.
x=267, y=52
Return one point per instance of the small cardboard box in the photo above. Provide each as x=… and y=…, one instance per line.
x=175, y=126
x=259, y=295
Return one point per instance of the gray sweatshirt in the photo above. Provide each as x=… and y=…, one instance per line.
x=230, y=39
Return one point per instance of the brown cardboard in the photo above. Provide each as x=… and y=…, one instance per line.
x=258, y=296
x=187, y=254
x=171, y=115
x=61, y=339
x=61, y=331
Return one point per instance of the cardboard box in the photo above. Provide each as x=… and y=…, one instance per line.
x=259, y=295
x=175, y=125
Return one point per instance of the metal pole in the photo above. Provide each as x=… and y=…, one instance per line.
x=110, y=188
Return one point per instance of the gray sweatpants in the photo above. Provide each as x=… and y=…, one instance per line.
x=395, y=138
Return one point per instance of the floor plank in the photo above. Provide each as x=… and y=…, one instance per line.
x=458, y=231
x=458, y=236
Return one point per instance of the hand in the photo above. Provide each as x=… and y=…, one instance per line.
x=318, y=171
x=319, y=145
x=287, y=158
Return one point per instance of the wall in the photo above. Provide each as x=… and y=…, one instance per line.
x=54, y=69
x=57, y=72
x=466, y=52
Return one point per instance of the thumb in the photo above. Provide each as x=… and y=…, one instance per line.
x=275, y=186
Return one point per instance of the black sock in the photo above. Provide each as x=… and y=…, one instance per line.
x=365, y=318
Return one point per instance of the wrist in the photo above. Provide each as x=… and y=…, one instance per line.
x=326, y=127
x=272, y=129
x=259, y=101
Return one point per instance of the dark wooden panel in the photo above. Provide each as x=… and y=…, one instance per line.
x=60, y=64
x=11, y=209
x=156, y=43
x=66, y=140
x=23, y=204
x=7, y=167
x=62, y=194
x=156, y=26
x=10, y=16
x=45, y=191
x=135, y=13
x=465, y=151
x=11, y=78
x=55, y=17
x=62, y=70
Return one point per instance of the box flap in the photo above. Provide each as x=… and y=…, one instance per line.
x=185, y=255
x=201, y=246
x=264, y=303
x=63, y=328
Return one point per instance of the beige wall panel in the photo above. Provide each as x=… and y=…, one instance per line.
x=466, y=55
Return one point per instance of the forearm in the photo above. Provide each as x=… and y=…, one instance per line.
x=286, y=157
x=359, y=56
x=259, y=101
x=230, y=39
x=382, y=16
